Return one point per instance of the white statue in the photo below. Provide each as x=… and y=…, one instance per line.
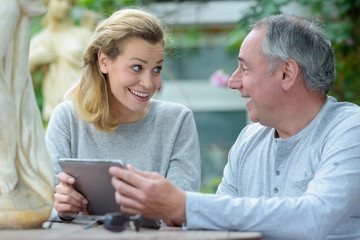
x=57, y=51
x=26, y=173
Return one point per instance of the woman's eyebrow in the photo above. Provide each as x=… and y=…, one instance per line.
x=141, y=60
x=144, y=61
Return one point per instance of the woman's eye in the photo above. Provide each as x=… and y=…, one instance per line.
x=157, y=69
x=137, y=68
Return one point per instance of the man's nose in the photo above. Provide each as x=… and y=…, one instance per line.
x=235, y=81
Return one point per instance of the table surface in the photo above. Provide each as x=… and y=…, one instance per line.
x=76, y=230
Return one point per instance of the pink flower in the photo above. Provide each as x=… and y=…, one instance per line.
x=219, y=78
x=350, y=42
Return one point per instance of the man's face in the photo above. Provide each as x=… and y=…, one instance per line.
x=252, y=80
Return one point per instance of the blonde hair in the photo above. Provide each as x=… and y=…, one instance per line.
x=90, y=94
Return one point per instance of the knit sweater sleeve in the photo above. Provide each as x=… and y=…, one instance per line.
x=58, y=137
x=184, y=169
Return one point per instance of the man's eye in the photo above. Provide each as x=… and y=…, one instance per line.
x=137, y=68
x=157, y=69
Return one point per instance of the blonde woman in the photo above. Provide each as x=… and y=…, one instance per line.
x=110, y=113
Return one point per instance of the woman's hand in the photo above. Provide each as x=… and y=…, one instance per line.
x=67, y=199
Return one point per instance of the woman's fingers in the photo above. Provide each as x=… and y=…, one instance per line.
x=63, y=207
x=71, y=192
x=66, y=178
x=66, y=198
x=66, y=195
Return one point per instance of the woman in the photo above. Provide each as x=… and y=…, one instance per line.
x=110, y=114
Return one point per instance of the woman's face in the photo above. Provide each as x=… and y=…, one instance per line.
x=133, y=77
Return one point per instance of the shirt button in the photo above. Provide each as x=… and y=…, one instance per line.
x=278, y=173
x=276, y=190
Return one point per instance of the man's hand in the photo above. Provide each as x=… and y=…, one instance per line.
x=148, y=193
x=67, y=199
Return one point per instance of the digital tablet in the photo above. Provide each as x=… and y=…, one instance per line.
x=94, y=182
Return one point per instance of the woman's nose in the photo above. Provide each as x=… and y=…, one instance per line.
x=147, y=81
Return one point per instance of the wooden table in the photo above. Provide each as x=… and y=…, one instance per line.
x=75, y=230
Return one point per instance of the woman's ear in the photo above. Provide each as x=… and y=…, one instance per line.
x=103, y=61
x=290, y=73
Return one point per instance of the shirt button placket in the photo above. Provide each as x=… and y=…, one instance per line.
x=276, y=189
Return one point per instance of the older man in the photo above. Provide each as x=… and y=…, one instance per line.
x=295, y=173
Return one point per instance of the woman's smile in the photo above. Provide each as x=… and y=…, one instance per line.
x=141, y=96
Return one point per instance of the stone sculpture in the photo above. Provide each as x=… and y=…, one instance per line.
x=26, y=174
x=57, y=52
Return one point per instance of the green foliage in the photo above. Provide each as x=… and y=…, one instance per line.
x=342, y=24
x=35, y=25
x=212, y=186
x=38, y=89
x=188, y=39
x=106, y=7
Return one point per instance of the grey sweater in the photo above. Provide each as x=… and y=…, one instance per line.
x=165, y=141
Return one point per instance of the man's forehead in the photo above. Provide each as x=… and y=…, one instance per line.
x=252, y=44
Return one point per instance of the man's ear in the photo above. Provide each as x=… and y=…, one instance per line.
x=103, y=61
x=290, y=72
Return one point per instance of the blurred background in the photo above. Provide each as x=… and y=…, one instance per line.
x=205, y=37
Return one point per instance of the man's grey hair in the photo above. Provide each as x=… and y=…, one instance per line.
x=291, y=37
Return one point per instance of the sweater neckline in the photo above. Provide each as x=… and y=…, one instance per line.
x=147, y=115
